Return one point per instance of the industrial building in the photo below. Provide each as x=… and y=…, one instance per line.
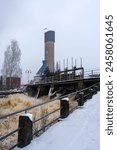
x=49, y=49
x=7, y=83
x=48, y=62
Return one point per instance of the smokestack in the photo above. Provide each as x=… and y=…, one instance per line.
x=49, y=49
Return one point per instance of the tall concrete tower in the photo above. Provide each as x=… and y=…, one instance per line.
x=49, y=49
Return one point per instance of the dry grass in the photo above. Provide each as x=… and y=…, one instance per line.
x=18, y=102
x=14, y=103
x=72, y=102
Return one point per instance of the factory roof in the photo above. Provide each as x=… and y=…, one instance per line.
x=42, y=69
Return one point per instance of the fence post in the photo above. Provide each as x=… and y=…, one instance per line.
x=95, y=89
x=25, y=132
x=81, y=99
x=64, y=112
x=98, y=87
x=90, y=93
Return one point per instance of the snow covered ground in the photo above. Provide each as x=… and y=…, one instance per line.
x=79, y=131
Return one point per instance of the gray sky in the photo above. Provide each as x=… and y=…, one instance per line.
x=76, y=26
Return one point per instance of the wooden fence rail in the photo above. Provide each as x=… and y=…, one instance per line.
x=25, y=134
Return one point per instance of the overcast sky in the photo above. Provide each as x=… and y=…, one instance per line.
x=76, y=26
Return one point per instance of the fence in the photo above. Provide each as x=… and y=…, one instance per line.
x=25, y=134
x=92, y=73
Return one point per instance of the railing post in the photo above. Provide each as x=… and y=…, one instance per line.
x=95, y=89
x=81, y=99
x=90, y=93
x=25, y=132
x=98, y=87
x=87, y=94
x=64, y=112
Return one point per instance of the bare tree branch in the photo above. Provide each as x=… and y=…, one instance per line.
x=12, y=57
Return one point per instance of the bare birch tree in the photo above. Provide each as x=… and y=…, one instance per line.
x=12, y=57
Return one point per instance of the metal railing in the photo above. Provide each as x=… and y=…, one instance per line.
x=25, y=110
x=70, y=76
x=92, y=73
x=86, y=94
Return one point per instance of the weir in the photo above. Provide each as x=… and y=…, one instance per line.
x=63, y=82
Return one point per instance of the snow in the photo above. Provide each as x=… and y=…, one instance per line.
x=81, y=93
x=65, y=99
x=30, y=116
x=79, y=131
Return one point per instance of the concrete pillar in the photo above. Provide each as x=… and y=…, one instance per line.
x=25, y=132
x=90, y=93
x=64, y=103
x=81, y=100
x=95, y=89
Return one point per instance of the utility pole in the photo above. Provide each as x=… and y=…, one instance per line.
x=63, y=64
x=72, y=62
x=81, y=61
x=67, y=63
x=28, y=71
x=75, y=63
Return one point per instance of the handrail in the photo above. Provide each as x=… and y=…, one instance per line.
x=57, y=98
x=13, y=146
x=46, y=115
x=9, y=134
x=26, y=109
x=45, y=126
